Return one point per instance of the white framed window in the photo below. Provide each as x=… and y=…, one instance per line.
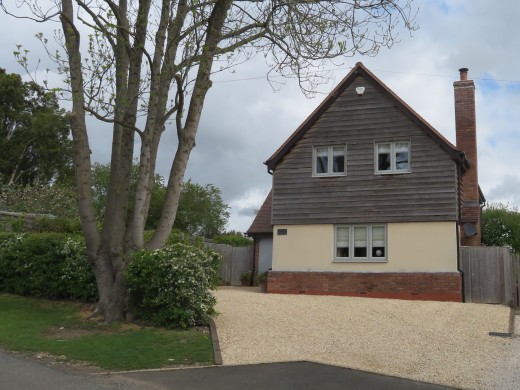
x=392, y=157
x=330, y=160
x=360, y=243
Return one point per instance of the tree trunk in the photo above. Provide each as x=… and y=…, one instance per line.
x=109, y=279
x=111, y=287
x=82, y=162
x=187, y=135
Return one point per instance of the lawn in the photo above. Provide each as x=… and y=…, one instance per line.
x=61, y=329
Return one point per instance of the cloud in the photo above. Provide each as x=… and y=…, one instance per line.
x=245, y=207
x=507, y=192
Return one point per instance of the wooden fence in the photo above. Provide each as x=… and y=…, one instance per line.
x=491, y=275
x=235, y=261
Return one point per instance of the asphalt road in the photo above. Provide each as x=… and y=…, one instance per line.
x=276, y=376
x=21, y=373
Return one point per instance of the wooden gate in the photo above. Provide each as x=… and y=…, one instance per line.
x=490, y=275
x=235, y=261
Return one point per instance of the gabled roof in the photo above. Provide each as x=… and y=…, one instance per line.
x=262, y=222
x=361, y=70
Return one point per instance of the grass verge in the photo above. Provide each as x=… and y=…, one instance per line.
x=58, y=328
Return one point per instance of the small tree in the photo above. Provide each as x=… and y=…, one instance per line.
x=501, y=226
x=201, y=212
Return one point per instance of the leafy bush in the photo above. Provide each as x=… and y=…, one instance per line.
x=171, y=286
x=501, y=226
x=246, y=277
x=39, y=198
x=40, y=224
x=233, y=239
x=45, y=265
x=177, y=236
x=13, y=224
x=58, y=225
x=76, y=272
x=262, y=277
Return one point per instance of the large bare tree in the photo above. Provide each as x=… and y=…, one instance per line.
x=154, y=58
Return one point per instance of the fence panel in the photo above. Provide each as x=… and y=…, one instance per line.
x=235, y=261
x=490, y=275
x=516, y=279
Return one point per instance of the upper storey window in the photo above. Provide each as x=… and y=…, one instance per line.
x=392, y=157
x=330, y=160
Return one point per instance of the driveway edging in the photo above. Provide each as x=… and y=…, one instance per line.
x=217, y=354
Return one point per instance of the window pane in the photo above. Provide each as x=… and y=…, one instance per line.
x=360, y=241
x=338, y=159
x=383, y=157
x=401, y=156
x=378, y=241
x=342, y=241
x=322, y=160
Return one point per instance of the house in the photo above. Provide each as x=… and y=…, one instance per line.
x=368, y=199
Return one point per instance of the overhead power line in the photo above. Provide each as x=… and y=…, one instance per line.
x=376, y=70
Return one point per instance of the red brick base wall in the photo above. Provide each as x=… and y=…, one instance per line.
x=412, y=286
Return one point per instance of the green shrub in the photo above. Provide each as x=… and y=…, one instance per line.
x=28, y=263
x=58, y=225
x=45, y=265
x=76, y=272
x=41, y=224
x=262, y=277
x=501, y=226
x=171, y=286
x=14, y=224
x=233, y=239
x=175, y=237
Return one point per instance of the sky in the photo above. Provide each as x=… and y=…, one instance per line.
x=245, y=120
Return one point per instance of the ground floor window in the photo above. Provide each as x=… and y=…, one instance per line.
x=360, y=242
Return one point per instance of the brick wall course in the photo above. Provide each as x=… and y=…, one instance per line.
x=410, y=286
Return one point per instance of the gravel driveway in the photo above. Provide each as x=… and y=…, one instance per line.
x=438, y=342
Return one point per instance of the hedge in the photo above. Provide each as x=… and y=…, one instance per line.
x=46, y=265
x=167, y=287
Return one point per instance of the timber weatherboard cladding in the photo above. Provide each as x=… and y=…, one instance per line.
x=428, y=193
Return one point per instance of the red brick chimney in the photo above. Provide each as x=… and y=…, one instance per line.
x=465, y=124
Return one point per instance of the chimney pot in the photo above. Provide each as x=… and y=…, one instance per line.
x=463, y=74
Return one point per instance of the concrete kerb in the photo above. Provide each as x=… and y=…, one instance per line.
x=217, y=354
x=512, y=321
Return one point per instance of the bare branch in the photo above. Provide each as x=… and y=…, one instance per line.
x=180, y=104
x=105, y=119
x=40, y=15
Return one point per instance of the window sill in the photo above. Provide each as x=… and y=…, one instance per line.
x=392, y=173
x=329, y=175
x=360, y=261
